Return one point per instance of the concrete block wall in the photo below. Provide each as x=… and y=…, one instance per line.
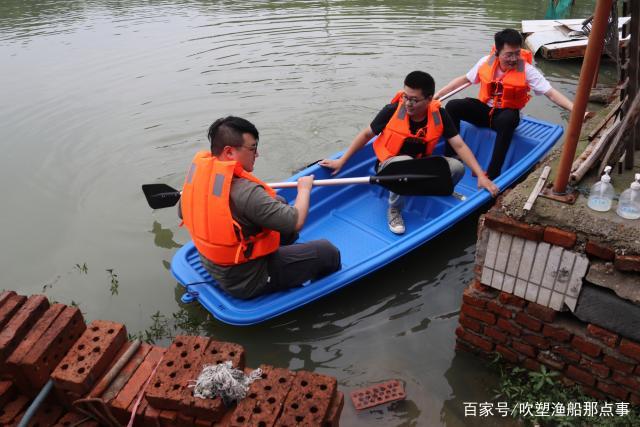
x=39, y=341
x=525, y=304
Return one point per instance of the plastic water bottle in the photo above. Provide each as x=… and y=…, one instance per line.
x=602, y=193
x=629, y=202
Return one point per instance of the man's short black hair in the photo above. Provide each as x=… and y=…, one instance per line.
x=507, y=36
x=421, y=80
x=228, y=131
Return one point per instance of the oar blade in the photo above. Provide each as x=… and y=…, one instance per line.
x=429, y=176
x=160, y=195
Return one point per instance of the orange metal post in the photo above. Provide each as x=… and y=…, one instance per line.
x=587, y=72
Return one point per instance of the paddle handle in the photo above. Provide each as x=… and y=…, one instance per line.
x=453, y=92
x=323, y=182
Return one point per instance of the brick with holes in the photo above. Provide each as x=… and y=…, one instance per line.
x=88, y=359
x=332, y=419
x=216, y=352
x=308, y=400
x=41, y=351
x=19, y=325
x=178, y=367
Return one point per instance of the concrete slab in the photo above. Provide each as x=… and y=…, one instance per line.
x=625, y=285
x=604, y=308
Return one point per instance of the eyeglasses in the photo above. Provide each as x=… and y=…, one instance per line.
x=410, y=100
x=510, y=55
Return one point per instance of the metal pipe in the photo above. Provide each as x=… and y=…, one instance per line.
x=587, y=72
x=35, y=405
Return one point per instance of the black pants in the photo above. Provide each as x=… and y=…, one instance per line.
x=504, y=121
x=293, y=264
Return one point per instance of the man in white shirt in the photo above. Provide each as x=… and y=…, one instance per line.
x=506, y=77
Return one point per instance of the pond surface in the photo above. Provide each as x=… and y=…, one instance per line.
x=99, y=97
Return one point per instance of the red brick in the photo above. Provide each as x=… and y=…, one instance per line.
x=531, y=364
x=73, y=418
x=481, y=315
x=609, y=338
x=7, y=392
x=470, y=323
x=500, y=222
x=557, y=334
x=495, y=333
x=627, y=262
x=332, y=419
x=597, y=368
x=529, y=322
x=11, y=305
x=599, y=251
x=216, y=352
x=47, y=415
x=499, y=309
x=551, y=360
x=129, y=391
x=474, y=340
x=199, y=422
x=630, y=381
x=167, y=418
x=559, y=237
x=580, y=375
x=619, y=365
x=509, y=327
x=179, y=366
x=5, y=296
x=268, y=393
x=593, y=393
x=38, y=355
x=90, y=356
x=23, y=320
x=509, y=355
x=471, y=298
x=12, y=409
x=484, y=290
x=185, y=420
x=586, y=346
x=523, y=348
x=108, y=388
x=630, y=348
x=536, y=341
x=308, y=401
x=541, y=312
x=567, y=353
x=511, y=299
x=151, y=416
x=613, y=390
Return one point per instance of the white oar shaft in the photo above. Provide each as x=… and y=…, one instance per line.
x=453, y=92
x=323, y=182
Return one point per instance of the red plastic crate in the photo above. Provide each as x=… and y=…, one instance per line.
x=378, y=394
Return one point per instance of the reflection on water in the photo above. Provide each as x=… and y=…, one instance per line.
x=101, y=96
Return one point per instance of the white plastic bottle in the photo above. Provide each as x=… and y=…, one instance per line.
x=602, y=193
x=629, y=202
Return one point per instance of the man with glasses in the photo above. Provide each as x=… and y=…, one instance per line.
x=506, y=76
x=244, y=233
x=409, y=127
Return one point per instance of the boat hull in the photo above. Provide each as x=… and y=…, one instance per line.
x=353, y=218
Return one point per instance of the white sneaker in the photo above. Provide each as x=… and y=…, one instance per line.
x=396, y=223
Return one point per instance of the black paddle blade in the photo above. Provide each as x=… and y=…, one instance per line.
x=430, y=176
x=160, y=195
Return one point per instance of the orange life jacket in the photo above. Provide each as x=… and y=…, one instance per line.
x=515, y=89
x=390, y=140
x=207, y=215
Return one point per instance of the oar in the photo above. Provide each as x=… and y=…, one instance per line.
x=418, y=177
x=453, y=92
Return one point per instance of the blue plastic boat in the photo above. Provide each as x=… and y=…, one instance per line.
x=354, y=219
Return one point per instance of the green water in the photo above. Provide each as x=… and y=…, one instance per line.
x=99, y=97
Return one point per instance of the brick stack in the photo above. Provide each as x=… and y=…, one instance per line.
x=603, y=363
x=96, y=363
